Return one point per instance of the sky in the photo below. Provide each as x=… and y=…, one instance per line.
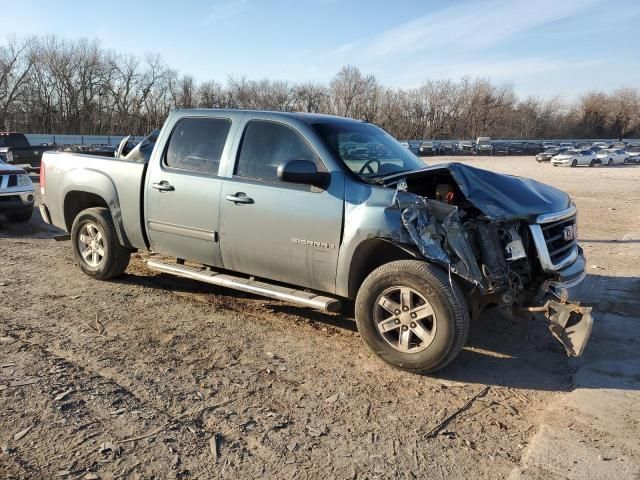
x=543, y=48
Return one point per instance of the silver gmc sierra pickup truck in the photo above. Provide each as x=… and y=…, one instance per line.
x=323, y=211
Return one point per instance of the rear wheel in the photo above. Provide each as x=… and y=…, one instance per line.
x=95, y=244
x=412, y=316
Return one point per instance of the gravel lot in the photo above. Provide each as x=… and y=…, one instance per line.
x=152, y=376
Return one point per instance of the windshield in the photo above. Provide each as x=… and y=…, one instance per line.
x=368, y=151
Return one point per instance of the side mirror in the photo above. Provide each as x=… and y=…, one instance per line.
x=303, y=171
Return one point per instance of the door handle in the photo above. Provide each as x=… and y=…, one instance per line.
x=163, y=186
x=239, y=197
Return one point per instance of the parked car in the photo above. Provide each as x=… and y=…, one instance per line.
x=448, y=148
x=633, y=154
x=17, y=194
x=516, y=148
x=18, y=151
x=428, y=149
x=483, y=146
x=611, y=156
x=418, y=249
x=574, y=158
x=466, y=148
x=548, y=154
x=599, y=145
x=500, y=148
x=532, y=148
x=549, y=145
x=567, y=145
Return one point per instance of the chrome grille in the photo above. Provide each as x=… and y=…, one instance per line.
x=9, y=180
x=554, y=236
x=555, y=251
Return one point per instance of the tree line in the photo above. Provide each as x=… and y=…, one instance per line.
x=53, y=85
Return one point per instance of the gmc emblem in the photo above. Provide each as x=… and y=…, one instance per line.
x=570, y=232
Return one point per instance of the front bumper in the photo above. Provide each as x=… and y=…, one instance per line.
x=16, y=202
x=569, y=322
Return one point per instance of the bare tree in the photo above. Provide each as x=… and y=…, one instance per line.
x=51, y=85
x=16, y=61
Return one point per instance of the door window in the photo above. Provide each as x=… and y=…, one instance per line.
x=196, y=144
x=267, y=145
x=18, y=141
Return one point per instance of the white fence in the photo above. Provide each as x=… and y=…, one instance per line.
x=38, y=139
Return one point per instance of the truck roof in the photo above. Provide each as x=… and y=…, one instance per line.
x=304, y=116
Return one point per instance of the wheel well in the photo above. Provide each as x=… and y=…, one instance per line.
x=372, y=254
x=75, y=202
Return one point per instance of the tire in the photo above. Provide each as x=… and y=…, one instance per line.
x=448, y=325
x=114, y=259
x=574, y=163
x=592, y=163
x=22, y=217
x=610, y=162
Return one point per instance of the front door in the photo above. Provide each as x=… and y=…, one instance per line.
x=183, y=191
x=276, y=230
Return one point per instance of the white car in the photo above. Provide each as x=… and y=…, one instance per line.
x=573, y=158
x=612, y=156
x=633, y=154
x=600, y=144
x=16, y=193
x=567, y=145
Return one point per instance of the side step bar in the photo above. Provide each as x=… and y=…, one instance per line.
x=286, y=294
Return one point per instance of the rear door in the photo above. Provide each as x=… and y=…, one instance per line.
x=183, y=190
x=279, y=230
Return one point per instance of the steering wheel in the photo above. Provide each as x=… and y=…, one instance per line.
x=367, y=165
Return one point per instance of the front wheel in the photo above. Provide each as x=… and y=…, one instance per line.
x=95, y=244
x=592, y=163
x=574, y=163
x=411, y=315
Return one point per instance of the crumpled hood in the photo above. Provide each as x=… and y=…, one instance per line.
x=500, y=197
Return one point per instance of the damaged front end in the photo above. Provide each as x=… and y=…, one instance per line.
x=512, y=240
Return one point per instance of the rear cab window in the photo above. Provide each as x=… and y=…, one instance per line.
x=196, y=144
x=19, y=141
x=266, y=145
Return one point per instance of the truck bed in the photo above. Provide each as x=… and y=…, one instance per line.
x=117, y=181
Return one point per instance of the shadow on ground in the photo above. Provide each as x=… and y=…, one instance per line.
x=35, y=228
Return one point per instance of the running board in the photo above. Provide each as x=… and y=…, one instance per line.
x=286, y=294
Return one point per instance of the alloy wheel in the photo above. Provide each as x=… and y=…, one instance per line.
x=91, y=244
x=405, y=319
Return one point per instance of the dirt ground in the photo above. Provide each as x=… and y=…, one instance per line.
x=152, y=376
